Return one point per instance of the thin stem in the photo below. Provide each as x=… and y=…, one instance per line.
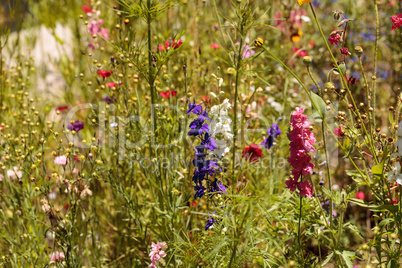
x=150, y=71
x=298, y=231
x=377, y=33
x=345, y=82
x=239, y=55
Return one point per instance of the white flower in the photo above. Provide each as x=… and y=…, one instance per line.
x=113, y=125
x=395, y=174
x=220, y=128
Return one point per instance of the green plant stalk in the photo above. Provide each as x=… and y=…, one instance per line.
x=345, y=82
x=325, y=147
x=150, y=71
x=235, y=102
x=298, y=231
x=377, y=33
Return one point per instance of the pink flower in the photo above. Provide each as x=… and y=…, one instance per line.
x=157, y=252
x=300, y=53
x=360, y=195
x=168, y=93
x=15, y=173
x=247, y=52
x=215, y=46
x=301, y=144
x=338, y=131
x=61, y=160
x=57, y=256
x=344, y=51
x=1, y=177
x=86, y=9
x=397, y=20
x=334, y=39
x=104, y=73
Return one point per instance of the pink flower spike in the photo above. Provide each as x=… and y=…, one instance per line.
x=397, y=20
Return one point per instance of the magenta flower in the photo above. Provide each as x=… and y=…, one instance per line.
x=397, y=20
x=334, y=39
x=57, y=256
x=247, y=52
x=302, y=141
x=344, y=51
x=157, y=252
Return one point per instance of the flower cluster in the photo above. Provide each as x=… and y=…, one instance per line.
x=220, y=127
x=273, y=133
x=174, y=44
x=302, y=141
x=157, y=253
x=204, y=167
x=76, y=126
x=397, y=21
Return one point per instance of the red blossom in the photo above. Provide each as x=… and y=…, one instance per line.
x=62, y=108
x=104, y=73
x=1, y=128
x=344, y=51
x=178, y=44
x=334, y=39
x=167, y=94
x=215, y=46
x=252, y=153
x=397, y=20
x=300, y=53
x=86, y=9
x=360, y=195
x=338, y=131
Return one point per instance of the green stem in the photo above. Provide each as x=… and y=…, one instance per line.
x=150, y=71
x=345, y=82
x=299, y=229
x=377, y=33
x=239, y=55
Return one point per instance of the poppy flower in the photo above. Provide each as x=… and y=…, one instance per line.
x=252, y=153
x=86, y=9
x=215, y=46
x=62, y=108
x=167, y=94
x=104, y=73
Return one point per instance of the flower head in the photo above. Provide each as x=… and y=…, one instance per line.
x=76, y=126
x=61, y=160
x=301, y=2
x=167, y=94
x=273, y=132
x=334, y=39
x=104, y=73
x=397, y=21
x=252, y=153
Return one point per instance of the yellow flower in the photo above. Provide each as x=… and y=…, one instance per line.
x=301, y=2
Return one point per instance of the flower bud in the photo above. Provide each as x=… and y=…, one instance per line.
x=307, y=60
x=359, y=50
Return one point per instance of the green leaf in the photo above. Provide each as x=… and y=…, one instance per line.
x=385, y=222
x=378, y=170
x=329, y=257
x=348, y=146
x=354, y=229
x=346, y=256
x=317, y=101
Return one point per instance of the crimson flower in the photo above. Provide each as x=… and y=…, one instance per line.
x=252, y=153
x=104, y=73
x=167, y=94
x=360, y=195
x=338, y=131
x=334, y=39
x=62, y=108
x=344, y=51
x=397, y=20
x=86, y=9
x=300, y=53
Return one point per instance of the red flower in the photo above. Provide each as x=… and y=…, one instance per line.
x=177, y=45
x=205, y=98
x=344, y=51
x=167, y=94
x=360, y=195
x=338, y=131
x=76, y=158
x=252, y=153
x=86, y=9
x=394, y=201
x=104, y=73
x=1, y=128
x=62, y=108
x=300, y=53
x=111, y=84
x=215, y=46
x=397, y=20
x=334, y=39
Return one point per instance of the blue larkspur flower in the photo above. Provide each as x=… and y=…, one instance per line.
x=273, y=133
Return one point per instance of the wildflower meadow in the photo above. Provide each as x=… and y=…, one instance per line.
x=200, y=133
